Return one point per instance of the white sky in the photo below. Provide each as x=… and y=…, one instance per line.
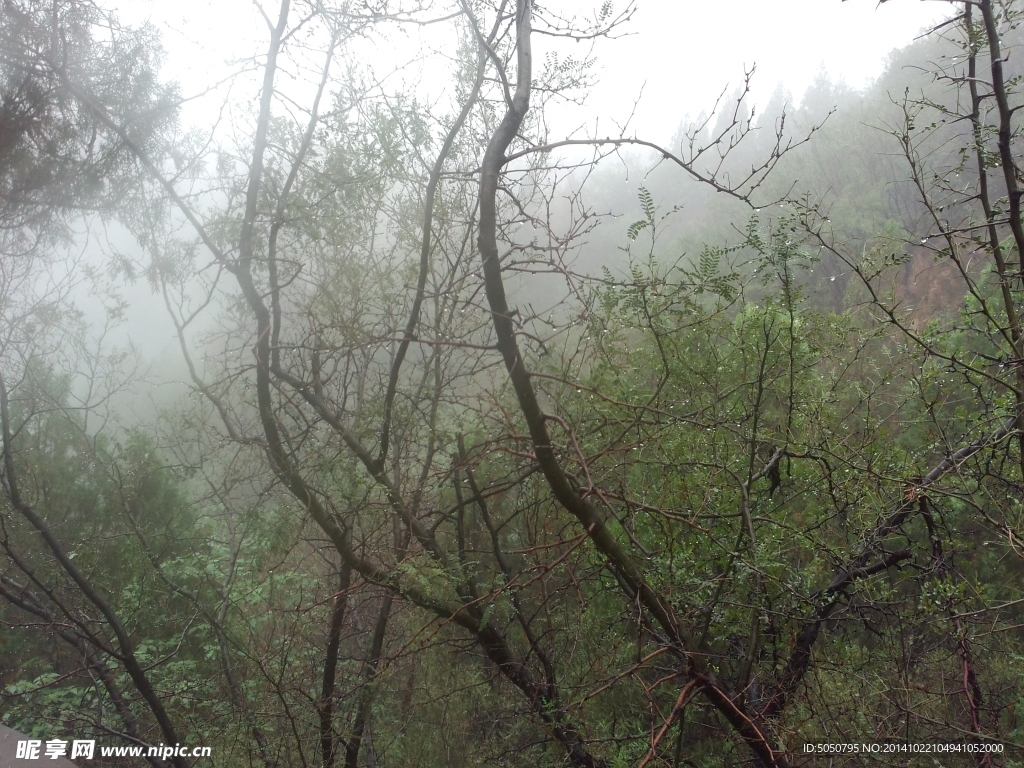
x=688, y=51
x=682, y=53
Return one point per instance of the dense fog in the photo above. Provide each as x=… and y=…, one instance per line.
x=507, y=383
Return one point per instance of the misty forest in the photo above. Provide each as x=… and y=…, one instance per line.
x=479, y=442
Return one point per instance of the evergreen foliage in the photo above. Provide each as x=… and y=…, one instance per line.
x=489, y=458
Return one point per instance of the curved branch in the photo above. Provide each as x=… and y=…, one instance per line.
x=562, y=488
